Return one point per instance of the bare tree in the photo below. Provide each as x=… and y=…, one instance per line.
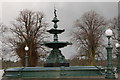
x=115, y=22
x=28, y=29
x=88, y=35
x=1, y=35
x=3, y=29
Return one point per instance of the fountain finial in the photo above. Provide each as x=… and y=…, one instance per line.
x=55, y=20
x=55, y=12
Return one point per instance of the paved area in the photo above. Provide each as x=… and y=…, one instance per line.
x=1, y=73
x=61, y=79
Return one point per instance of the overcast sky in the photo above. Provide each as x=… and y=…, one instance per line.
x=67, y=13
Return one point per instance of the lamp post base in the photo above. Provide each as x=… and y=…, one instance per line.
x=118, y=63
x=110, y=76
x=118, y=70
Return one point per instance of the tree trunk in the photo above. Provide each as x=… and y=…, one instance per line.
x=92, y=60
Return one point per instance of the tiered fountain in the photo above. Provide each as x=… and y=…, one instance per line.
x=56, y=59
x=56, y=66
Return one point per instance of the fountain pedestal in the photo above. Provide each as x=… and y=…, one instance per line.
x=56, y=59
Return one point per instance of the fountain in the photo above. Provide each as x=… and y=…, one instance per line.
x=55, y=66
x=56, y=59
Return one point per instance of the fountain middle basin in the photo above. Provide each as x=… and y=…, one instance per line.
x=56, y=44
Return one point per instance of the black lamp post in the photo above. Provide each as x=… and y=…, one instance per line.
x=26, y=56
x=118, y=57
x=110, y=73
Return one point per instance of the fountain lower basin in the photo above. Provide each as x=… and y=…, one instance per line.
x=54, y=72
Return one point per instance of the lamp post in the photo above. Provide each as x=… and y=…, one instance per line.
x=118, y=57
x=26, y=56
x=110, y=73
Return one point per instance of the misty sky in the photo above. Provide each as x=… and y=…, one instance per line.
x=67, y=13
